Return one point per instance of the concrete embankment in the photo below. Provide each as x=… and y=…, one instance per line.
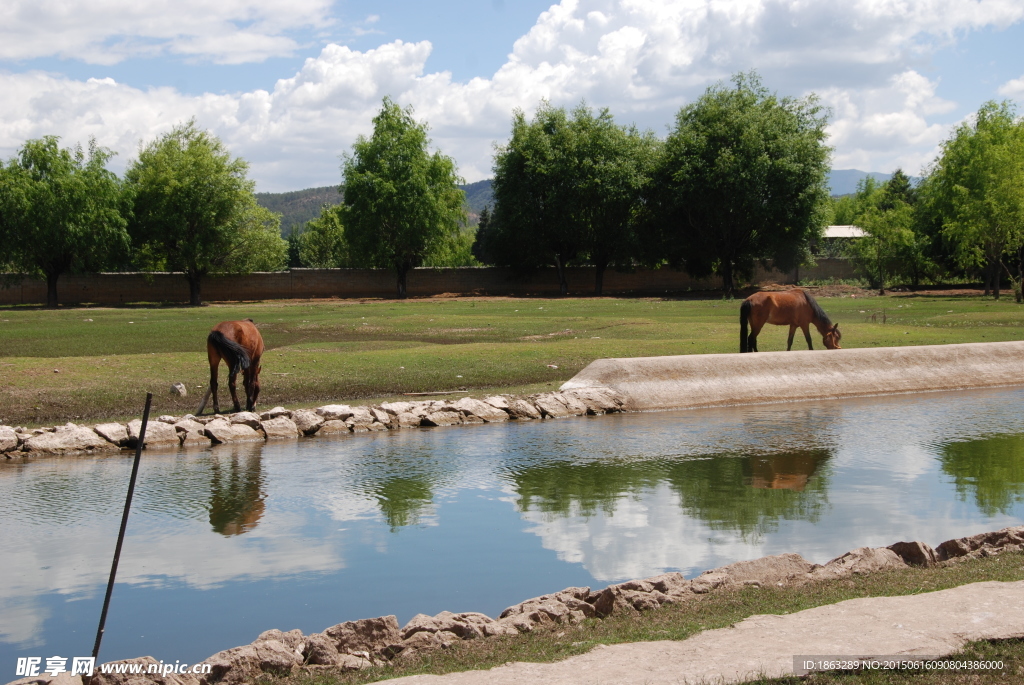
x=710, y=380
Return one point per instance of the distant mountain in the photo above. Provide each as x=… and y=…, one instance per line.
x=844, y=181
x=299, y=206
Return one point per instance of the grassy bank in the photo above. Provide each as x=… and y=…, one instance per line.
x=90, y=364
x=714, y=610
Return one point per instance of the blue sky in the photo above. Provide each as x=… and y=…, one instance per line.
x=289, y=84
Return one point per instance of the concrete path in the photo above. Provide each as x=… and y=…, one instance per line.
x=932, y=624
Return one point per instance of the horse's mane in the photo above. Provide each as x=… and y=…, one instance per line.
x=819, y=313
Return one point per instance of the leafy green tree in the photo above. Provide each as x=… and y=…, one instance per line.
x=614, y=165
x=567, y=188
x=322, y=245
x=194, y=210
x=482, y=249
x=743, y=179
x=402, y=204
x=978, y=185
x=59, y=212
x=535, y=194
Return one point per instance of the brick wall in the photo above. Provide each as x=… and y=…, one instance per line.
x=121, y=288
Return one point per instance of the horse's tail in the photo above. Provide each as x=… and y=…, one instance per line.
x=233, y=353
x=744, y=317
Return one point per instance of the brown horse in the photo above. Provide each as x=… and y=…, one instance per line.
x=240, y=345
x=794, y=308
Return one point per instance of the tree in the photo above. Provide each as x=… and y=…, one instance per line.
x=615, y=165
x=194, y=210
x=743, y=179
x=978, y=185
x=889, y=240
x=59, y=211
x=535, y=194
x=322, y=245
x=567, y=189
x=402, y=205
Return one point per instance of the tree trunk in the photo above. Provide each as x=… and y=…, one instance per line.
x=599, y=277
x=995, y=279
x=195, y=297
x=727, y=282
x=403, y=291
x=563, y=285
x=51, y=290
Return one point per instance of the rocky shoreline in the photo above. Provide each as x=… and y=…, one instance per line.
x=178, y=432
x=361, y=644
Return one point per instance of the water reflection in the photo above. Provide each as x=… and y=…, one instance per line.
x=991, y=471
x=403, y=500
x=236, y=492
x=744, y=494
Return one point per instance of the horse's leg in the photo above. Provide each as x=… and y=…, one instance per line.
x=807, y=334
x=251, y=380
x=792, y=332
x=232, y=378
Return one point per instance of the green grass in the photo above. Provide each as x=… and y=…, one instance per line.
x=80, y=364
x=704, y=612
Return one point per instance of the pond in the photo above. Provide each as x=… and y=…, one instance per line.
x=224, y=543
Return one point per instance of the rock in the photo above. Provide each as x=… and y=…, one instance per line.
x=179, y=389
x=522, y=409
x=914, y=553
x=371, y=635
x=360, y=416
x=442, y=418
x=9, y=439
x=275, y=413
x=167, y=418
x=320, y=650
x=242, y=664
x=396, y=408
x=334, y=427
x=308, y=422
x=484, y=411
x=246, y=418
x=67, y=439
x=189, y=425
x=158, y=434
x=223, y=431
x=408, y=420
x=860, y=561
x=293, y=639
x=981, y=544
x=465, y=626
x=551, y=406
x=597, y=400
x=575, y=406
x=672, y=584
x=568, y=606
x=280, y=428
x=380, y=415
x=194, y=439
x=419, y=642
x=497, y=401
x=772, y=570
x=334, y=412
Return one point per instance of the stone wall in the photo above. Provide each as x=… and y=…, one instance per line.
x=122, y=288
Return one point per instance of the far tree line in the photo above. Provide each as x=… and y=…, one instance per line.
x=740, y=180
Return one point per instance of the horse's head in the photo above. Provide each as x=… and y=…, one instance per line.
x=832, y=337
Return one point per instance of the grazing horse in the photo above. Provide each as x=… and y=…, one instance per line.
x=794, y=308
x=240, y=345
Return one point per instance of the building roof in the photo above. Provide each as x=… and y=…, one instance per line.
x=844, y=232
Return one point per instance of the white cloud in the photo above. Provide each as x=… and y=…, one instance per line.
x=1013, y=88
x=641, y=58
x=108, y=31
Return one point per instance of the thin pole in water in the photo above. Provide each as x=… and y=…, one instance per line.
x=124, y=525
